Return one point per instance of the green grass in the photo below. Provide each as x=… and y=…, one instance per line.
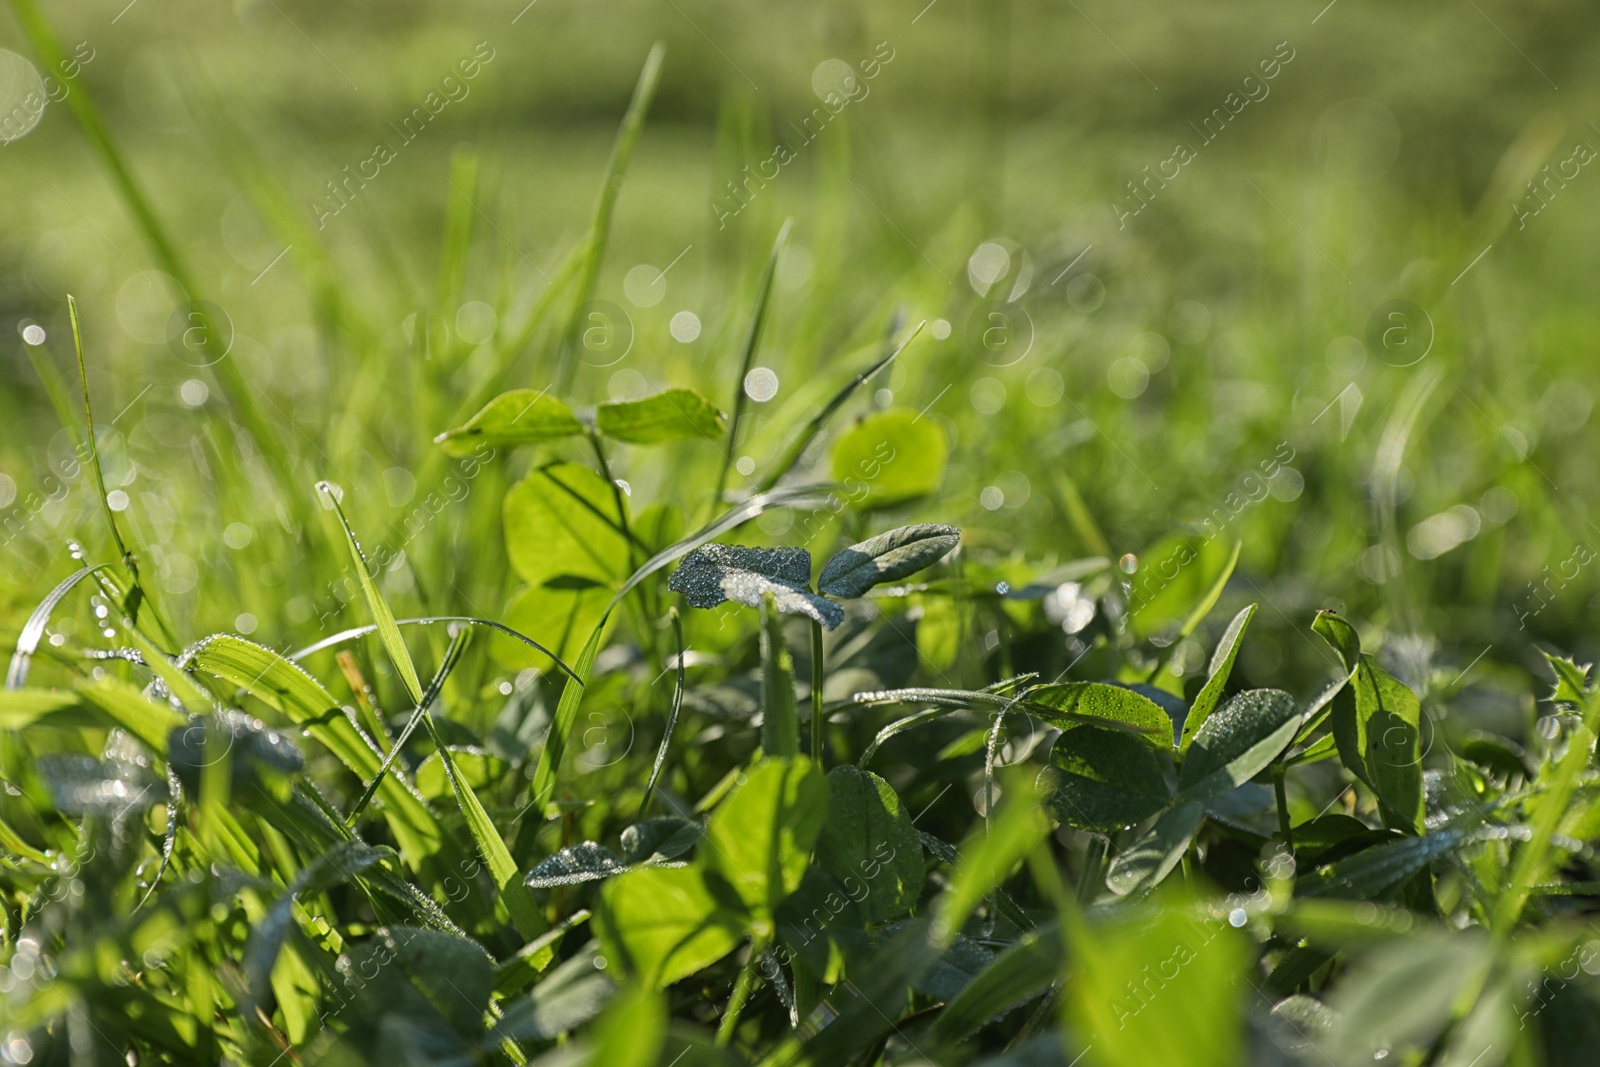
x=1142, y=659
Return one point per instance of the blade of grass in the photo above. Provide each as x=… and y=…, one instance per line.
x=600, y=229
x=752, y=340
x=491, y=846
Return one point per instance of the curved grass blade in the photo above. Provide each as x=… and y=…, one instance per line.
x=752, y=339
x=361, y=631
x=814, y=427
x=599, y=230
x=502, y=868
x=672, y=717
x=388, y=632
x=269, y=677
x=33, y=630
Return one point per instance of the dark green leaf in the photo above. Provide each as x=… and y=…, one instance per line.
x=575, y=864
x=519, y=417
x=712, y=574
x=83, y=785
x=574, y=992
x=671, y=415
x=759, y=838
x=1104, y=780
x=1021, y=972
x=886, y=558
x=1377, y=725
x=659, y=840
x=1239, y=741
x=1100, y=703
x=1383, y=868
x=869, y=844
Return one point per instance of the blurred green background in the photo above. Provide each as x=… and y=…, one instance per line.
x=1146, y=363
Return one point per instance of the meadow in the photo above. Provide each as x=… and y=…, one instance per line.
x=946, y=533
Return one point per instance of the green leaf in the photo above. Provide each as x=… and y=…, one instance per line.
x=1160, y=986
x=671, y=415
x=660, y=839
x=780, y=719
x=148, y=720
x=868, y=843
x=759, y=838
x=1341, y=635
x=1377, y=726
x=584, y=862
x=1397, y=999
x=712, y=574
x=1572, y=679
x=256, y=755
x=664, y=925
x=889, y=457
x=561, y=522
x=519, y=417
x=83, y=785
x=989, y=854
x=1216, y=675
x=631, y=1031
x=22, y=708
x=570, y=995
x=1244, y=736
x=1381, y=869
x=1104, y=780
x=1146, y=862
x=887, y=557
x=430, y=985
x=1101, y=704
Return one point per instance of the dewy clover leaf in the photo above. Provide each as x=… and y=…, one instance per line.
x=715, y=573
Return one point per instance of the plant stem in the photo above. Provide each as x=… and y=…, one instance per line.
x=741, y=992
x=1278, y=774
x=818, y=754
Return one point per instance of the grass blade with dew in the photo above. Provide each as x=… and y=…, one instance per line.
x=33, y=630
x=672, y=717
x=814, y=427
x=600, y=229
x=752, y=341
x=490, y=845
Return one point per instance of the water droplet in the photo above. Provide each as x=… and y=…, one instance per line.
x=1129, y=563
